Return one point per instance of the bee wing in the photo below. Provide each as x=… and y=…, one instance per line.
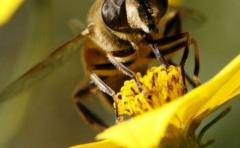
x=192, y=19
x=42, y=69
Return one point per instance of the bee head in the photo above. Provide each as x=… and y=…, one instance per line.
x=128, y=15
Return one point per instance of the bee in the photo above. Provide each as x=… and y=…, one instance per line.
x=121, y=38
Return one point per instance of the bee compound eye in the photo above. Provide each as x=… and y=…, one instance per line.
x=114, y=15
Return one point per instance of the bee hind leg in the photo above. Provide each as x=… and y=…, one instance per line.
x=84, y=112
x=107, y=90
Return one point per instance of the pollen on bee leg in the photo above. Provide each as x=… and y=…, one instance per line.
x=162, y=85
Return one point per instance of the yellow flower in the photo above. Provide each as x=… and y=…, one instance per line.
x=7, y=9
x=174, y=119
x=161, y=85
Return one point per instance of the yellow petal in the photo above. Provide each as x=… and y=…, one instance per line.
x=99, y=144
x=148, y=129
x=212, y=94
x=227, y=83
x=142, y=131
x=153, y=124
x=7, y=9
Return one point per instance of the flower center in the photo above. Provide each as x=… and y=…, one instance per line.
x=161, y=85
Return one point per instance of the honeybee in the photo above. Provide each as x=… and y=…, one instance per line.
x=121, y=38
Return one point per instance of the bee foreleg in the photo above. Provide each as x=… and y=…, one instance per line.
x=188, y=78
x=175, y=43
x=197, y=61
x=125, y=70
x=196, y=80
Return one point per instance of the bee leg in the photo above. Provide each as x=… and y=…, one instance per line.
x=177, y=42
x=196, y=80
x=106, y=89
x=174, y=27
x=182, y=64
x=125, y=70
x=197, y=62
x=158, y=54
x=85, y=90
x=188, y=78
x=155, y=49
x=86, y=113
x=89, y=117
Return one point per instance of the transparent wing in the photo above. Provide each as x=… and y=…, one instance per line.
x=42, y=69
x=192, y=19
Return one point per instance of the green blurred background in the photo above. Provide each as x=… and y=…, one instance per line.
x=44, y=116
